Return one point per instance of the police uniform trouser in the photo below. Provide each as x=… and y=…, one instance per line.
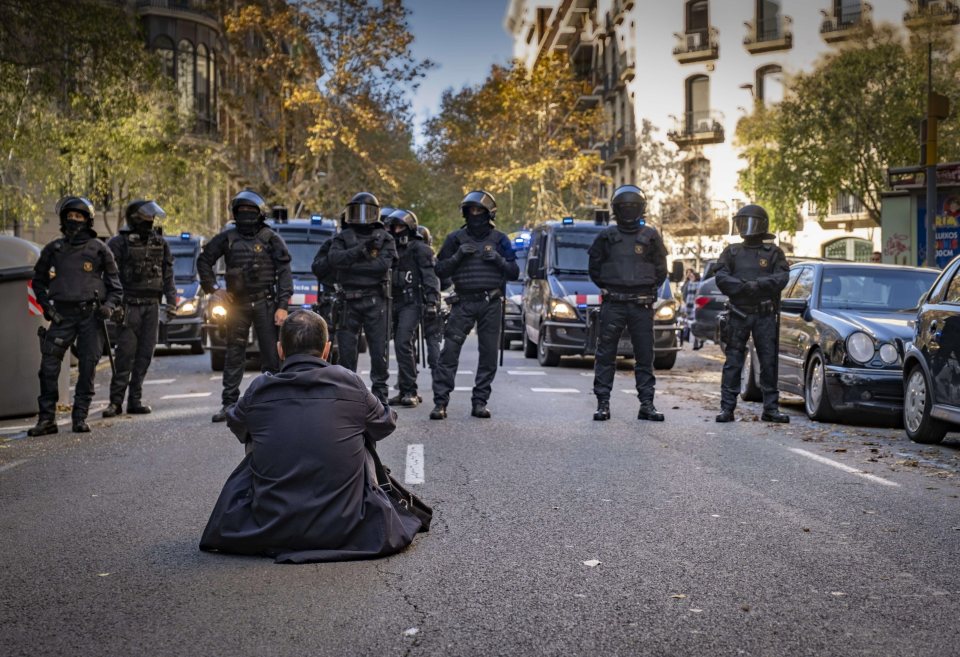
x=638, y=320
x=406, y=320
x=433, y=334
x=486, y=314
x=370, y=314
x=80, y=324
x=240, y=316
x=136, y=339
x=764, y=330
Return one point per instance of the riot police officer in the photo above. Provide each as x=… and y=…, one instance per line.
x=146, y=272
x=432, y=315
x=76, y=283
x=362, y=255
x=480, y=260
x=628, y=262
x=415, y=289
x=752, y=275
x=258, y=288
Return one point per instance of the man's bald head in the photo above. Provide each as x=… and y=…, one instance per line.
x=304, y=332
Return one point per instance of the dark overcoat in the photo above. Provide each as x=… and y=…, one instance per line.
x=304, y=492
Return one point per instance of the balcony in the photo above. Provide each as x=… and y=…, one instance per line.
x=198, y=11
x=937, y=12
x=588, y=97
x=847, y=25
x=697, y=129
x=627, y=67
x=624, y=144
x=769, y=34
x=696, y=46
x=620, y=9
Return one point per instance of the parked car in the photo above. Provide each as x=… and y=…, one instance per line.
x=303, y=238
x=513, y=318
x=561, y=304
x=931, y=363
x=187, y=326
x=708, y=303
x=839, y=323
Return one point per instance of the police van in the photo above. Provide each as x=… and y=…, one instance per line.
x=303, y=238
x=513, y=317
x=187, y=327
x=561, y=304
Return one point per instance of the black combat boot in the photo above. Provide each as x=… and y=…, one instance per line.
x=603, y=410
x=112, y=410
x=221, y=415
x=396, y=400
x=439, y=412
x=80, y=425
x=43, y=427
x=480, y=410
x=775, y=416
x=138, y=409
x=410, y=401
x=726, y=415
x=649, y=412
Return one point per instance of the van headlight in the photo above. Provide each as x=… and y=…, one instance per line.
x=666, y=312
x=188, y=307
x=218, y=311
x=560, y=309
x=860, y=347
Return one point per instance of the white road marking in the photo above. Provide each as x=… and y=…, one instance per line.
x=12, y=464
x=590, y=374
x=158, y=382
x=526, y=373
x=463, y=389
x=189, y=395
x=414, y=473
x=216, y=377
x=841, y=466
x=558, y=390
x=465, y=372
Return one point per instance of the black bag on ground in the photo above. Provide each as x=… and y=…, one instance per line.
x=399, y=495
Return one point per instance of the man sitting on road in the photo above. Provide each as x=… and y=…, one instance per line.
x=304, y=491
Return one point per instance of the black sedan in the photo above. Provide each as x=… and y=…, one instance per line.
x=931, y=369
x=839, y=326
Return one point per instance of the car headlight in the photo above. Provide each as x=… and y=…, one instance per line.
x=513, y=308
x=218, y=311
x=860, y=347
x=666, y=312
x=889, y=354
x=187, y=307
x=560, y=309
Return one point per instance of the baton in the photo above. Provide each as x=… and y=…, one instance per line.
x=503, y=323
x=106, y=335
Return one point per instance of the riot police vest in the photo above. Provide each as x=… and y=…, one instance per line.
x=751, y=263
x=629, y=266
x=250, y=264
x=362, y=273
x=406, y=276
x=78, y=269
x=474, y=274
x=142, y=268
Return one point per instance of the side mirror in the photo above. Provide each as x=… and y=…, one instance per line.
x=533, y=265
x=676, y=275
x=797, y=306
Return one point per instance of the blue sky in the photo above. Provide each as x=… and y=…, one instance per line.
x=463, y=37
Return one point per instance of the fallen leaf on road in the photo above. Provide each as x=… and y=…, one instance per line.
x=413, y=631
x=745, y=607
x=592, y=563
x=678, y=596
x=840, y=449
x=806, y=529
x=102, y=574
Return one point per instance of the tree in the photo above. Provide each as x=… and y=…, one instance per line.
x=520, y=135
x=841, y=125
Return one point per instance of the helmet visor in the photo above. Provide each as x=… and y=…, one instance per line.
x=629, y=212
x=362, y=214
x=749, y=226
x=152, y=212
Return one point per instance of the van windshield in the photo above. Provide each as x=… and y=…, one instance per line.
x=184, y=262
x=302, y=254
x=570, y=250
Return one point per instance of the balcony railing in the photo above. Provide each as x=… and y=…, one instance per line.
x=847, y=24
x=589, y=97
x=697, y=128
x=624, y=144
x=770, y=33
x=697, y=46
x=620, y=9
x=627, y=68
x=942, y=12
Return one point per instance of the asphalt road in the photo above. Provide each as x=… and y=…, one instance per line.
x=738, y=539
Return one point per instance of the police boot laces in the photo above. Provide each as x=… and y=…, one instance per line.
x=603, y=411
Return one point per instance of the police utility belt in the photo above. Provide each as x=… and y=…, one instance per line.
x=361, y=293
x=472, y=297
x=627, y=297
x=764, y=308
x=254, y=297
x=140, y=301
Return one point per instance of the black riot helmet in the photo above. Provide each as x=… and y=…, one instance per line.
x=249, y=211
x=143, y=215
x=479, y=199
x=362, y=210
x=629, y=206
x=402, y=224
x=78, y=204
x=752, y=221
x=425, y=234
x=385, y=213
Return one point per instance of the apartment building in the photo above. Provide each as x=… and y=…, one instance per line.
x=693, y=68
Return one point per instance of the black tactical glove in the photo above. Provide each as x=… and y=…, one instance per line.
x=104, y=312
x=494, y=257
x=431, y=311
x=170, y=311
x=464, y=251
x=751, y=287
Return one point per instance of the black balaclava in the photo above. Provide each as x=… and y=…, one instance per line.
x=753, y=240
x=248, y=220
x=73, y=229
x=401, y=236
x=478, y=225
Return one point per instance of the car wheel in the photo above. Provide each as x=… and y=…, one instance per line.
x=217, y=359
x=816, y=402
x=917, y=402
x=749, y=379
x=665, y=361
x=529, y=349
x=545, y=356
x=196, y=347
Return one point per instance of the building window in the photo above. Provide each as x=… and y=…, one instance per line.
x=203, y=82
x=186, y=77
x=163, y=46
x=768, y=20
x=846, y=203
x=847, y=12
x=698, y=20
x=769, y=84
x=698, y=103
x=696, y=188
x=849, y=248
